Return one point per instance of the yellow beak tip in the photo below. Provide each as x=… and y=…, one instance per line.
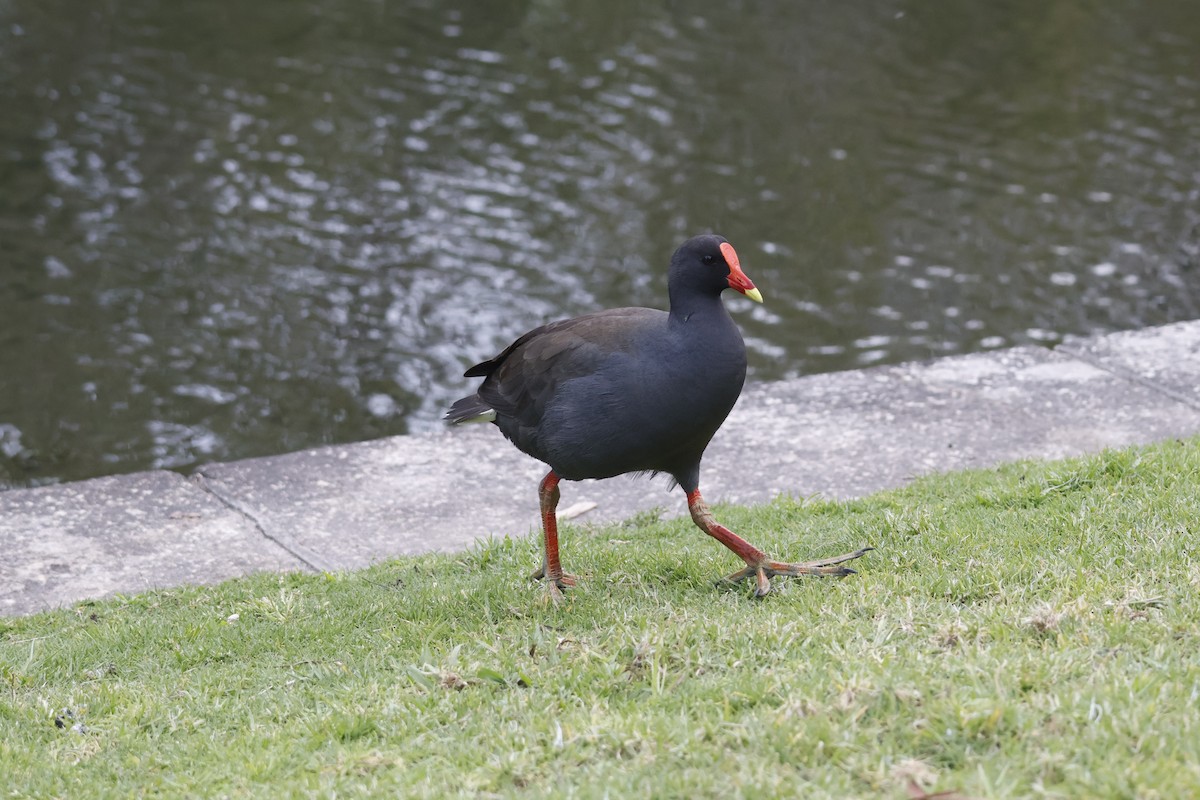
x=755, y=295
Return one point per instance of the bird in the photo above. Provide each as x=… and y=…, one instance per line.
x=632, y=390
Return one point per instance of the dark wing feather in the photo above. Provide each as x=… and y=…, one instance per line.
x=468, y=409
x=525, y=377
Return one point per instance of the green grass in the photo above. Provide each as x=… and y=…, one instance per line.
x=1030, y=631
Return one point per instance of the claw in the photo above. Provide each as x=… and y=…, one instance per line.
x=764, y=583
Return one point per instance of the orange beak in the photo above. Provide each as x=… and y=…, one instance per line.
x=737, y=278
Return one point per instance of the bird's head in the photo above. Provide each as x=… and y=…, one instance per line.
x=708, y=264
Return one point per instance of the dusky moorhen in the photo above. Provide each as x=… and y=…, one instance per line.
x=632, y=390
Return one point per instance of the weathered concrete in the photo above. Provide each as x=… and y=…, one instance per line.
x=1166, y=359
x=347, y=505
x=126, y=533
x=841, y=435
x=857, y=432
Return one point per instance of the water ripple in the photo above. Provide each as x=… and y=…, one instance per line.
x=306, y=234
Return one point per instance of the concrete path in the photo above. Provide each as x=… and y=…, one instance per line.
x=839, y=435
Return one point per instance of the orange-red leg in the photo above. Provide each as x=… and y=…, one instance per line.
x=758, y=566
x=551, y=569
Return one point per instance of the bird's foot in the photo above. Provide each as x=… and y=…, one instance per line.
x=762, y=571
x=555, y=585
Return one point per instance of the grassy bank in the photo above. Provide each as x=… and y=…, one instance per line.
x=1023, y=632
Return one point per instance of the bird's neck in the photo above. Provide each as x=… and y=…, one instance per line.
x=688, y=307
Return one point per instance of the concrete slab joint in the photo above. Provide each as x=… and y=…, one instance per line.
x=309, y=559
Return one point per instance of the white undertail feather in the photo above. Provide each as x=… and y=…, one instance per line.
x=487, y=416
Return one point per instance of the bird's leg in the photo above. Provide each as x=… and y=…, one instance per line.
x=551, y=570
x=758, y=566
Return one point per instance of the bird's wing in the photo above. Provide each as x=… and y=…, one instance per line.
x=520, y=381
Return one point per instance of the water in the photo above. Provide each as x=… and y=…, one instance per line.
x=236, y=229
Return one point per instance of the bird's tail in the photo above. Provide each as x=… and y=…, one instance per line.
x=470, y=409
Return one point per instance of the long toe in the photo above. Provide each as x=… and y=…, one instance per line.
x=795, y=570
x=740, y=575
x=760, y=572
x=826, y=567
x=821, y=566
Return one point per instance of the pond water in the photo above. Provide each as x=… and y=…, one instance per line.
x=236, y=229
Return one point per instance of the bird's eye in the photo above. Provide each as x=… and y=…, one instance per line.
x=709, y=260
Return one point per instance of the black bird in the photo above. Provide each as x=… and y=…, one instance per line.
x=632, y=390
